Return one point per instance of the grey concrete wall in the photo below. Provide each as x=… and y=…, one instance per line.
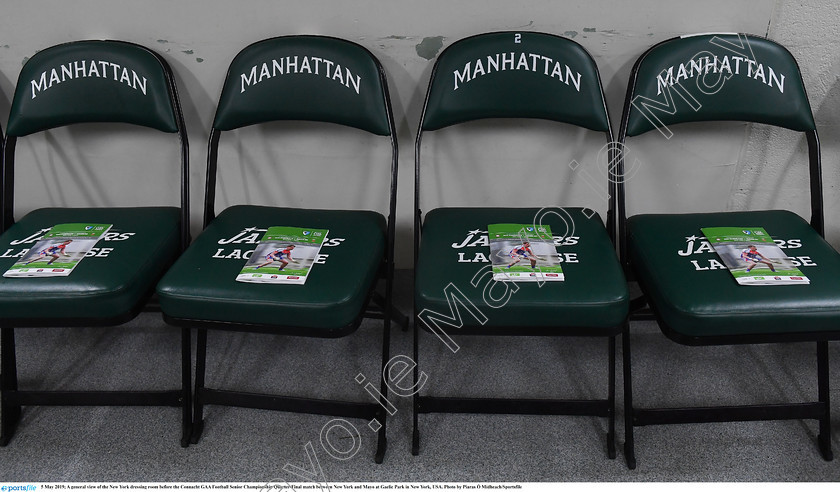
x=712, y=167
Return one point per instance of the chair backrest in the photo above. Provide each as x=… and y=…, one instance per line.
x=313, y=78
x=309, y=78
x=94, y=82
x=515, y=75
x=718, y=77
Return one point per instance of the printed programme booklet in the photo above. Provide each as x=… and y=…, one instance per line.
x=523, y=253
x=59, y=251
x=752, y=257
x=285, y=255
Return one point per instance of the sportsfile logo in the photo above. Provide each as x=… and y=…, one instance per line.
x=10, y=488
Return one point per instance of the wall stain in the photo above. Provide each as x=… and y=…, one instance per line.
x=187, y=52
x=570, y=34
x=162, y=41
x=429, y=47
x=588, y=29
x=199, y=60
x=25, y=59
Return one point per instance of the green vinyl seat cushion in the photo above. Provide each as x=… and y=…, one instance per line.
x=115, y=277
x=697, y=297
x=454, y=249
x=202, y=284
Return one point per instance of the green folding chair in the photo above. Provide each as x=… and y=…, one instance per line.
x=81, y=82
x=718, y=77
x=341, y=83
x=521, y=75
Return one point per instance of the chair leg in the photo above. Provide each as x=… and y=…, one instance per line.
x=629, y=445
x=200, y=363
x=382, y=439
x=8, y=383
x=401, y=319
x=186, y=387
x=611, y=399
x=823, y=388
x=382, y=414
x=415, y=398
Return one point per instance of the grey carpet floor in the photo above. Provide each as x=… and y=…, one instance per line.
x=142, y=444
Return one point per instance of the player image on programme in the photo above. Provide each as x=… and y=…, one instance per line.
x=520, y=253
x=285, y=255
x=747, y=257
x=54, y=250
x=59, y=251
x=752, y=256
x=288, y=257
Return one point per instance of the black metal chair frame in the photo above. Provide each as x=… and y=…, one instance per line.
x=642, y=309
x=514, y=406
x=377, y=307
x=14, y=398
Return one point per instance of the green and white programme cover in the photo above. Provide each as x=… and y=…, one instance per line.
x=59, y=251
x=285, y=255
x=752, y=257
x=523, y=253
